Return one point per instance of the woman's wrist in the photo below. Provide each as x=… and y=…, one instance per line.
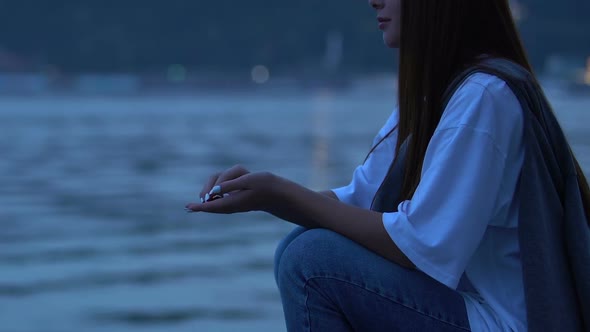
x=277, y=197
x=285, y=203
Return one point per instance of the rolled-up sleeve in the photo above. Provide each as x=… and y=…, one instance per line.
x=440, y=228
x=360, y=191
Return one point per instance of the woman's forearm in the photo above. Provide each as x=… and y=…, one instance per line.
x=290, y=213
x=329, y=193
x=312, y=209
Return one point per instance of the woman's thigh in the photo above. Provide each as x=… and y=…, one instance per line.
x=330, y=283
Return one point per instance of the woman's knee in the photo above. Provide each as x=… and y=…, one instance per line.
x=285, y=242
x=309, y=251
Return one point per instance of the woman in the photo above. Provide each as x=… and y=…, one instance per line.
x=448, y=257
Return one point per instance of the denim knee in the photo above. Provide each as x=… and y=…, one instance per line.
x=285, y=242
x=308, y=251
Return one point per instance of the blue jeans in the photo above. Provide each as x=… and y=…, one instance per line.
x=330, y=283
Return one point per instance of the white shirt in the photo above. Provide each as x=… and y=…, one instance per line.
x=462, y=220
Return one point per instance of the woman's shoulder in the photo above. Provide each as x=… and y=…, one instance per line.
x=483, y=102
x=480, y=81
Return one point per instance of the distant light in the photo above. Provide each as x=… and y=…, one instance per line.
x=176, y=73
x=260, y=74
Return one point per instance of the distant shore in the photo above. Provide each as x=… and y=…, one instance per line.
x=136, y=84
x=121, y=84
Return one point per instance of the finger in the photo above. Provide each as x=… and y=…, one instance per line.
x=232, y=173
x=227, y=205
x=210, y=183
x=235, y=185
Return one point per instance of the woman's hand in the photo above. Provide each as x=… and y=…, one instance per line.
x=242, y=191
x=217, y=178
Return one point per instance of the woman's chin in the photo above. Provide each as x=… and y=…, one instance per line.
x=390, y=42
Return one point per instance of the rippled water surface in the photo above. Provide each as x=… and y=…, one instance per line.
x=93, y=234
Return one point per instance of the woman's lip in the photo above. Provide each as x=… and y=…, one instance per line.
x=382, y=25
x=383, y=19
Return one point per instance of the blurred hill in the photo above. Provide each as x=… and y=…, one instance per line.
x=142, y=36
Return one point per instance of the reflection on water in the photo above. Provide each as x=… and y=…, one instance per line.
x=322, y=126
x=94, y=236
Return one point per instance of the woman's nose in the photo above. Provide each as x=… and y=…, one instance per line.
x=377, y=4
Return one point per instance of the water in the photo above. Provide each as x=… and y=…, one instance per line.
x=93, y=233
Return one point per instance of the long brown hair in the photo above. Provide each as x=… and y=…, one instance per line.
x=439, y=38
